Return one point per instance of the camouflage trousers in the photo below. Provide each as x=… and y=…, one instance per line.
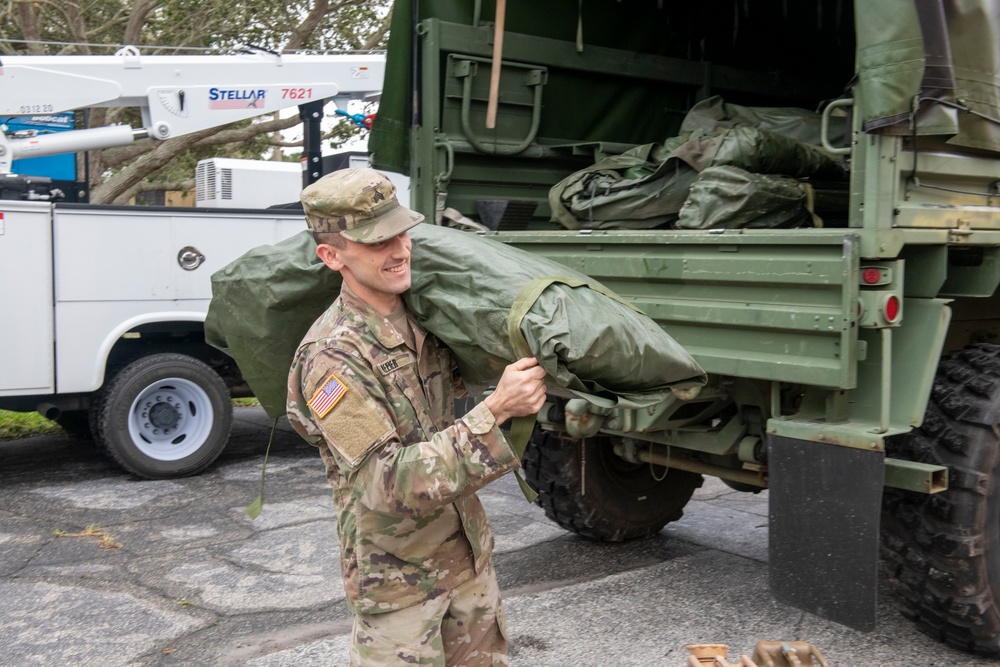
x=465, y=627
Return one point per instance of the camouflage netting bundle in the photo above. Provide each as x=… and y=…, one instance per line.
x=489, y=302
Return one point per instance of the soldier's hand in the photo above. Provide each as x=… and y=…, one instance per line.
x=520, y=391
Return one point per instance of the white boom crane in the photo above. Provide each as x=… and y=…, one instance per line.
x=177, y=95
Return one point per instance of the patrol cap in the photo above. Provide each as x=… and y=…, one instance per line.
x=360, y=204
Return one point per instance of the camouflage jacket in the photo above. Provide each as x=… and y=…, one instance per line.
x=404, y=472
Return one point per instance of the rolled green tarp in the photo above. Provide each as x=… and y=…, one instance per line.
x=490, y=303
x=263, y=303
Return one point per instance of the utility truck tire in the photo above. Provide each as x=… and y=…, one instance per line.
x=585, y=488
x=942, y=551
x=165, y=415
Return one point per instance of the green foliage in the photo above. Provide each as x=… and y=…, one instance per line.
x=347, y=25
x=15, y=425
x=170, y=27
x=245, y=402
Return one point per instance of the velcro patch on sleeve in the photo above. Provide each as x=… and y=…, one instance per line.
x=356, y=427
x=327, y=396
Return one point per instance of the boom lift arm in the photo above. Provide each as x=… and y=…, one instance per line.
x=176, y=95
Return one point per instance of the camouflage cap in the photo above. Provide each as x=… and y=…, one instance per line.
x=360, y=204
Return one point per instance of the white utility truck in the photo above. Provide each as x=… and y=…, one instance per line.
x=103, y=307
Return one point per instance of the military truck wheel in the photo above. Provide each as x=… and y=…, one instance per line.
x=165, y=415
x=585, y=488
x=942, y=551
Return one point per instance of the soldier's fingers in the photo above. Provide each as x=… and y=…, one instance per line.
x=524, y=363
x=536, y=372
x=537, y=391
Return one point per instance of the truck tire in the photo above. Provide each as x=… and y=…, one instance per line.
x=942, y=551
x=585, y=488
x=165, y=415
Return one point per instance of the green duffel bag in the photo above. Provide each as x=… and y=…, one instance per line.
x=646, y=186
x=733, y=198
x=489, y=302
x=642, y=188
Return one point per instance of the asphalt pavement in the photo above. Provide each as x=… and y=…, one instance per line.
x=99, y=568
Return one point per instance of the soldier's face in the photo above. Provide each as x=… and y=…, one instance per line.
x=376, y=272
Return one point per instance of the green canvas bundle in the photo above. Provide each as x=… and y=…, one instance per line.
x=733, y=198
x=262, y=304
x=489, y=302
x=492, y=303
x=793, y=123
x=648, y=186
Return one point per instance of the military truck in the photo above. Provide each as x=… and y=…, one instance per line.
x=853, y=361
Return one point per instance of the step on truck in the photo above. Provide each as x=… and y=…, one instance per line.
x=851, y=345
x=104, y=306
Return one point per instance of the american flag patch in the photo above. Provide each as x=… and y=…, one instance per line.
x=327, y=396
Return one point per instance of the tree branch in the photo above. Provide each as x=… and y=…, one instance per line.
x=113, y=157
x=376, y=39
x=117, y=189
x=26, y=17
x=238, y=134
x=75, y=24
x=182, y=186
x=284, y=144
x=136, y=20
x=304, y=30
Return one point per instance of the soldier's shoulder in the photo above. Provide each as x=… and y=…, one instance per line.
x=339, y=323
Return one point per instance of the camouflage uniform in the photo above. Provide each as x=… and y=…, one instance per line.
x=414, y=539
x=413, y=534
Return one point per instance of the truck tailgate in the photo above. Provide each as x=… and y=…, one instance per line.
x=770, y=305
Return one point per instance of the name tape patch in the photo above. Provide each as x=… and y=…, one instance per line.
x=394, y=364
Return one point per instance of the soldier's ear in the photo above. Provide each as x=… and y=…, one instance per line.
x=330, y=256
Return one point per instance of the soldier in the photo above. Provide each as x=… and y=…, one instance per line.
x=376, y=394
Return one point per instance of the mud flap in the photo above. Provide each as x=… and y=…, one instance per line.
x=825, y=502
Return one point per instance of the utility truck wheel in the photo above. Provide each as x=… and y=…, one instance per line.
x=942, y=551
x=585, y=488
x=165, y=415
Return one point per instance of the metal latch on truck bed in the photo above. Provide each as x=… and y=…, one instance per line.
x=521, y=97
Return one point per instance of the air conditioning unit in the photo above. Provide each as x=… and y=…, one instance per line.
x=231, y=183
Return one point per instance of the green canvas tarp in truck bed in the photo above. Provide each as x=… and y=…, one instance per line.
x=731, y=166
